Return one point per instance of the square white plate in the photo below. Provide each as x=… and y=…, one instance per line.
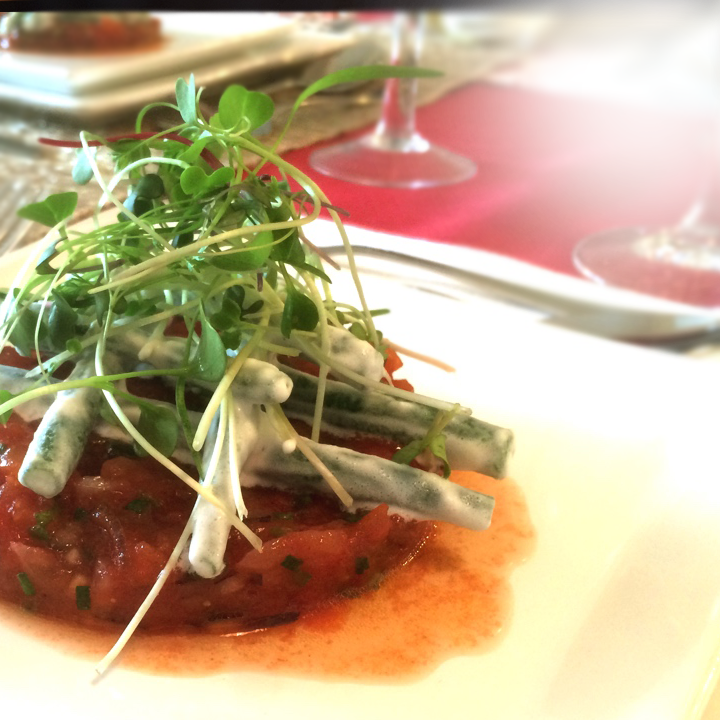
x=216, y=47
x=190, y=40
x=617, y=612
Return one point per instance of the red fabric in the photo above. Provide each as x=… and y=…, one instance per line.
x=551, y=170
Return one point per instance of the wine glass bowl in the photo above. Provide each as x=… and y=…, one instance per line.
x=679, y=263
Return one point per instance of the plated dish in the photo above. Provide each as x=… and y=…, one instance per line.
x=614, y=614
x=623, y=539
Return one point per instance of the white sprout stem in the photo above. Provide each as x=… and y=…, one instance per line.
x=154, y=160
x=108, y=194
x=153, y=451
x=427, y=359
x=316, y=353
x=234, y=459
x=334, y=484
x=117, y=648
x=192, y=248
x=323, y=367
x=220, y=420
x=222, y=388
x=318, y=196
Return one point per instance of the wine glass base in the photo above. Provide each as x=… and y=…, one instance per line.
x=681, y=263
x=362, y=161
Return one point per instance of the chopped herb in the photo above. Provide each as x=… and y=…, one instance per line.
x=42, y=518
x=80, y=514
x=353, y=517
x=45, y=516
x=294, y=564
x=283, y=516
x=140, y=505
x=361, y=565
x=82, y=597
x=291, y=563
x=39, y=532
x=302, y=501
x=276, y=531
x=26, y=584
x=301, y=577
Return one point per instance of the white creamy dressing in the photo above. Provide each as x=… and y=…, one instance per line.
x=355, y=354
x=211, y=527
x=72, y=410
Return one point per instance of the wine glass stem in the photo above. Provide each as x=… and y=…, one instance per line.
x=395, y=130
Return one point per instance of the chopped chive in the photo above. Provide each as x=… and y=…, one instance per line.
x=361, y=565
x=26, y=584
x=291, y=563
x=301, y=577
x=302, y=501
x=276, y=531
x=283, y=516
x=141, y=504
x=353, y=517
x=39, y=532
x=80, y=514
x=82, y=597
x=45, y=516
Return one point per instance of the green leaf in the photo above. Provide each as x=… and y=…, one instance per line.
x=43, y=266
x=437, y=448
x=313, y=270
x=407, y=454
x=23, y=334
x=52, y=210
x=159, y=426
x=362, y=74
x=299, y=313
x=82, y=171
x=210, y=359
x=238, y=103
x=192, y=154
x=5, y=395
x=194, y=180
x=102, y=305
x=150, y=186
x=185, y=94
x=253, y=256
x=62, y=321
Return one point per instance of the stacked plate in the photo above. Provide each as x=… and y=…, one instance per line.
x=216, y=47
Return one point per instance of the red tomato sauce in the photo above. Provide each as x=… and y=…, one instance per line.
x=395, y=618
x=112, y=529
x=103, y=35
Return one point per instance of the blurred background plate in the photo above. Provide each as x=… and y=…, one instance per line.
x=98, y=87
x=190, y=39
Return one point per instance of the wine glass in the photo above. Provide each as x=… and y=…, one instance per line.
x=395, y=154
x=680, y=262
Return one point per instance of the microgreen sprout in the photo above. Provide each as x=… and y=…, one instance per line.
x=207, y=274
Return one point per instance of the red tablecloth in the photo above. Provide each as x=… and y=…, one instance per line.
x=552, y=169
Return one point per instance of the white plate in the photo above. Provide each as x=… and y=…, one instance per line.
x=190, y=40
x=236, y=46
x=616, y=614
